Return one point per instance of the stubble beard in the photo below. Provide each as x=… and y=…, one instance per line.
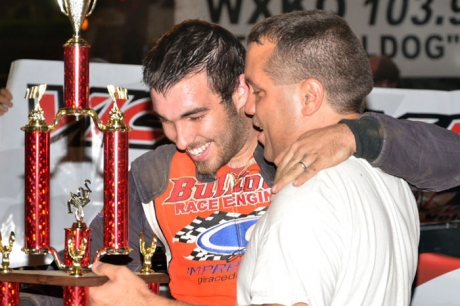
x=229, y=142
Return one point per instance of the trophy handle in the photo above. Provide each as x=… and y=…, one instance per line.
x=93, y=5
x=63, y=7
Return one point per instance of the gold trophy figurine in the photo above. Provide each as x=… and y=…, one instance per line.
x=147, y=253
x=36, y=116
x=77, y=255
x=6, y=250
x=79, y=200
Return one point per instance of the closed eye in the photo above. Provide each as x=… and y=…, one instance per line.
x=197, y=118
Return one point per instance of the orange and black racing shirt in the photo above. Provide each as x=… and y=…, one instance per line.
x=204, y=222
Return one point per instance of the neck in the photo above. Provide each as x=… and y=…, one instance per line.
x=326, y=117
x=241, y=158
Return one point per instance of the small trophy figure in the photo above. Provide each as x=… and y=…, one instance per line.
x=116, y=116
x=79, y=200
x=147, y=253
x=77, y=251
x=36, y=116
x=6, y=250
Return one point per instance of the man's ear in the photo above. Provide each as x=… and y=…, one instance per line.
x=313, y=93
x=241, y=94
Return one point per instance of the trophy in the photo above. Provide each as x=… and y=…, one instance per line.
x=74, y=271
x=76, y=54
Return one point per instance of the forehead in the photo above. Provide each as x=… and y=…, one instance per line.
x=188, y=94
x=257, y=57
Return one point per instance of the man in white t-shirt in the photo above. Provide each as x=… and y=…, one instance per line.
x=349, y=235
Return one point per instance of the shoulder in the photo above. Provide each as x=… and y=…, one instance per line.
x=150, y=171
x=334, y=190
x=356, y=172
x=158, y=156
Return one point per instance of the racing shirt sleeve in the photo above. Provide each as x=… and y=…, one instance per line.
x=425, y=155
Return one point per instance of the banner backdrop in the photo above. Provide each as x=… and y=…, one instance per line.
x=421, y=36
x=76, y=146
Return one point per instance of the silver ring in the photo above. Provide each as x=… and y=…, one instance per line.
x=303, y=166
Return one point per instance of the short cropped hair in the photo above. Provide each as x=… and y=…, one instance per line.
x=192, y=47
x=320, y=45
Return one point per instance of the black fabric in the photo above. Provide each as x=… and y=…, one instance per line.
x=368, y=137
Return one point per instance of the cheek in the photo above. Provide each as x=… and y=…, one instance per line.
x=170, y=131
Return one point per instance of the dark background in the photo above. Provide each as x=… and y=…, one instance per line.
x=119, y=31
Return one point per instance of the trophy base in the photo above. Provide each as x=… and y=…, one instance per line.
x=59, y=278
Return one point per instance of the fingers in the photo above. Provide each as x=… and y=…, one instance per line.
x=6, y=97
x=316, y=149
x=3, y=109
x=123, y=287
x=5, y=100
x=295, y=172
x=288, y=167
x=111, y=271
x=286, y=177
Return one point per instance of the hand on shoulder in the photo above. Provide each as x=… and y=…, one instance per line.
x=312, y=152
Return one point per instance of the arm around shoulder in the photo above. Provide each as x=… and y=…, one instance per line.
x=425, y=155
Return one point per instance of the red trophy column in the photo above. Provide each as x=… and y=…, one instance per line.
x=79, y=235
x=9, y=290
x=76, y=296
x=37, y=176
x=76, y=73
x=10, y=293
x=116, y=214
x=37, y=190
x=116, y=208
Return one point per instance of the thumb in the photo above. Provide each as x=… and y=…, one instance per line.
x=101, y=268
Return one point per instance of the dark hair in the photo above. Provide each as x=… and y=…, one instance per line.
x=192, y=47
x=320, y=45
x=386, y=70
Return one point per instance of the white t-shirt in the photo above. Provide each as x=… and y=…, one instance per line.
x=348, y=236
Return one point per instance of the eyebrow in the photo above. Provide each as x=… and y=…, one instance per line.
x=251, y=82
x=186, y=114
x=194, y=111
x=248, y=80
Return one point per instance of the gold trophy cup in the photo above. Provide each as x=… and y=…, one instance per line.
x=77, y=11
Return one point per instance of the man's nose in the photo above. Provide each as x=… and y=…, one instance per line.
x=250, y=106
x=184, y=136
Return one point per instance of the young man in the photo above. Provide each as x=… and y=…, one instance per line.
x=202, y=194
x=348, y=236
